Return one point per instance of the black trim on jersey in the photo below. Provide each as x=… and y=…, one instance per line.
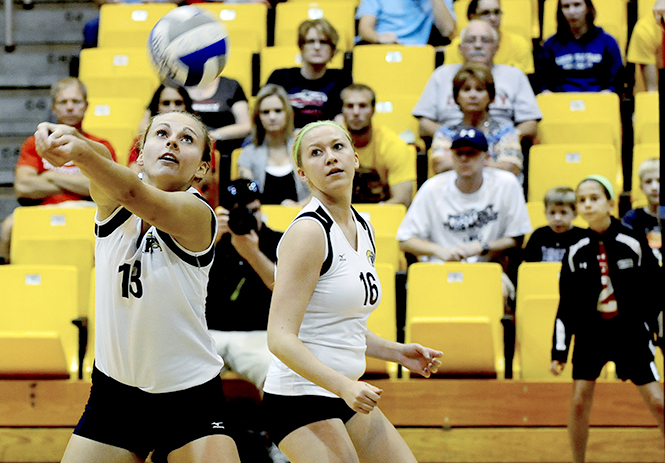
x=365, y=225
x=322, y=216
x=196, y=261
x=120, y=217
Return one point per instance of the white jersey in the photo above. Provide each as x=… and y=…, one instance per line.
x=150, y=327
x=442, y=214
x=334, y=326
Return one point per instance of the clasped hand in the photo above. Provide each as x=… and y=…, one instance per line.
x=57, y=143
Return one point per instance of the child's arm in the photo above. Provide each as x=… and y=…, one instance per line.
x=563, y=323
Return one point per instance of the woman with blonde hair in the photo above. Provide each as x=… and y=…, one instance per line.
x=267, y=160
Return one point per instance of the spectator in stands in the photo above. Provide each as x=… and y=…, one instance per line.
x=645, y=219
x=472, y=213
x=513, y=49
x=164, y=100
x=37, y=181
x=240, y=288
x=223, y=108
x=473, y=91
x=515, y=102
x=580, y=57
x=267, y=159
x=610, y=301
x=409, y=22
x=549, y=243
x=387, y=171
x=314, y=89
x=645, y=50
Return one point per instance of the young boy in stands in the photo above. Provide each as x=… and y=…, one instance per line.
x=549, y=243
x=645, y=219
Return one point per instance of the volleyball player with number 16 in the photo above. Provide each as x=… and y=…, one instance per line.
x=326, y=286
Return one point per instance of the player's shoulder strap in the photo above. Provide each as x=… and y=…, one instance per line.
x=327, y=222
x=366, y=227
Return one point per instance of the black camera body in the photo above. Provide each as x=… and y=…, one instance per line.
x=242, y=221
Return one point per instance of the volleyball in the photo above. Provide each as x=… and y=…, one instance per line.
x=188, y=46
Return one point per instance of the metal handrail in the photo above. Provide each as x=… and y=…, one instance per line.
x=10, y=46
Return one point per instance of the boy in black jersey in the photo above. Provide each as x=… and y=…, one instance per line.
x=549, y=243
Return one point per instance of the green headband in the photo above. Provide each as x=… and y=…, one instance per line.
x=310, y=126
x=603, y=181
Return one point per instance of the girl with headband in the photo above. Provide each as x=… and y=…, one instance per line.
x=608, y=290
x=326, y=286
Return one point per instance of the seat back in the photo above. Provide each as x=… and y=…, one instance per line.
x=247, y=23
x=279, y=217
x=37, y=336
x=457, y=308
x=554, y=165
x=383, y=321
x=537, y=279
x=647, y=128
x=56, y=236
x=116, y=120
x=584, y=118
x=340, y=13
x=129, y=24
x=287, y=56
x=239, y=67
x=393, y=69
x=394, y=112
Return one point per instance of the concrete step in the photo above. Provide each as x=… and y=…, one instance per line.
x=22, y=111
x=40, y=68
x=50, y=22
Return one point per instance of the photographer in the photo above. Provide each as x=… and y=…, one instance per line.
x=241, y=281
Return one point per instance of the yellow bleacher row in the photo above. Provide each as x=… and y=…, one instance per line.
x=46, y=290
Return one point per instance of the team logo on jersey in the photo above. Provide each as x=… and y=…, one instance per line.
x=342, y=258
x=371, y=258
x=151, y=244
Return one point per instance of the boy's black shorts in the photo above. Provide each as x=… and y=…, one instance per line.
x=139, y=421
x=284, y=414
x=631, y=350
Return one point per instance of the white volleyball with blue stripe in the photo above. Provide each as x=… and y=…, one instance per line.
x=189, y=46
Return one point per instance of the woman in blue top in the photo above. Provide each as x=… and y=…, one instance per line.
x=580, y=57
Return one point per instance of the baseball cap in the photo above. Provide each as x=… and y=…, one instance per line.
x=469, y=136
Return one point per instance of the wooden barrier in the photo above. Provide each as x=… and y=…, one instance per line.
x=432, y=402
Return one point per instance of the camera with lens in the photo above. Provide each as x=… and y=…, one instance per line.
x=242, y=220
x=236, y=197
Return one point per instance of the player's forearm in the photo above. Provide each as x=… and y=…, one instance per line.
x=381, y=348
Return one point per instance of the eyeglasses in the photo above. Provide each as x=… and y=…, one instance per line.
x=317, y=41
x=484, y=39
x=488, y=13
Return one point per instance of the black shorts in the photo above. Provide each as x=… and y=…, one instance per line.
x=139, y=421
x=284, y=414
x=631, y=350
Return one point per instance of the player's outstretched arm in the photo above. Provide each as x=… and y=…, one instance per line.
x=416, y=358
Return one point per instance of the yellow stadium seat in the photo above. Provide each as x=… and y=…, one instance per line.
x=116, y=120
x=56, y=236
x=640, y=153
x=457, y=308
x=287, y=56
x=247, y=23
x=239, y=67
x=647, y=128
x=340, y=13
x=534, y=331
x=393, y=69
x=385, y=218
x=383, y=321
x=537, y=279
x=553, y=165
x=89, y=359
x=37, y=336
x=580, y=118
x=394, y=111
x=611, y=15
x=118, y=73
x=644, y=8
x=279, y=217
x=235, y=154
x=129, y=24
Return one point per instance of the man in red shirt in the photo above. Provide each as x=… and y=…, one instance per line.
x=36, y=181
